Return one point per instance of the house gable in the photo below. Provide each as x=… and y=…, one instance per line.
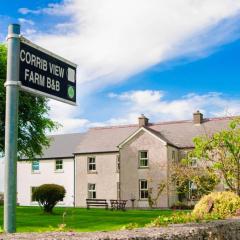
x=137, y=132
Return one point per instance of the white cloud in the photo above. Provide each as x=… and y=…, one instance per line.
x=26, y=21
x=52, y=9
x=132, y=104
x=112, y=40
x=153, y=105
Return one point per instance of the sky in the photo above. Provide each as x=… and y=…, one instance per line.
x=165, y=59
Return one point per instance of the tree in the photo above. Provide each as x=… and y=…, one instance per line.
x=48, y=195
x=217, y=157
x=221, y=152
x=33, y=122
x=185, y=174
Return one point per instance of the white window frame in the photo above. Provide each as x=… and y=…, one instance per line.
x=92, y=191
x=192, y=188
x=145, y=191
x=140, y=159
x=91, y=164
x=194, y=162
x=32, y=164
x=58, y=164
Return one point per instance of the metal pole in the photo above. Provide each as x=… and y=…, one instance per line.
x=11, y=127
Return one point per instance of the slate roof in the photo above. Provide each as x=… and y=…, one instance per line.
x=176, y=133
x=62, y=146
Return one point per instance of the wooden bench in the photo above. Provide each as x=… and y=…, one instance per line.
x=97, y=203
x=118, y=204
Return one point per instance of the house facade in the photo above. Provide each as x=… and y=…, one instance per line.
x=55, y=166
x=130, y=162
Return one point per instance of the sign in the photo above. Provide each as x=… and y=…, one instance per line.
x=44, y=73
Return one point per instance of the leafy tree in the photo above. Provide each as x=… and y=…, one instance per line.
x=218, y=158
x=185, y=174
x=48, y=195
x=221, y=152
x=33, y=122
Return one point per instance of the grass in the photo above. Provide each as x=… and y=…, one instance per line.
x=31, y=219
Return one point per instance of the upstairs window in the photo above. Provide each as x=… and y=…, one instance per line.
x=143, y=189
x=91, y=164
x=143, y=159
x=35, y=166
x=92, y=190
x=59, y=165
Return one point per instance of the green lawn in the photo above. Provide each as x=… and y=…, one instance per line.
x=31, y=219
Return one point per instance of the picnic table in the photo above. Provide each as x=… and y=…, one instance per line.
x=118, y=204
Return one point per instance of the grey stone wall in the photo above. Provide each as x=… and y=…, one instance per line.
x=217, y=230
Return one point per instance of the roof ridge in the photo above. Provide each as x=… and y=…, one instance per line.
x=114, y=126
x=64, y=134
x=162, y=123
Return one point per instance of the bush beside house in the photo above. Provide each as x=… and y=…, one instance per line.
x=48, y=195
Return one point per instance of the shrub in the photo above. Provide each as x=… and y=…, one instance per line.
x=222, y=203
x=48, y=195
x=130, y=226
x=181, y=217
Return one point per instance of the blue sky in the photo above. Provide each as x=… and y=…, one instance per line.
x=138, y=60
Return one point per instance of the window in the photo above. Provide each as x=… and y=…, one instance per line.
x=193, y=193
x=35, y=166
x=118, y=163
x=91, y=190
x=91, y=164
x=59, y=165
x=118, y=191
x=32, y=191
x=193, y=162
x=143, y=189
x=143, y=159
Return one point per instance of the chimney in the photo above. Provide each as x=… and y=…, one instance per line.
x=142, y=121
x=197, y=117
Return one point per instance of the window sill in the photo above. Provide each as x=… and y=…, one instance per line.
x=143, y=167
x=143, y=200
x=59, y=171
x=92, y=172
x=36, y=172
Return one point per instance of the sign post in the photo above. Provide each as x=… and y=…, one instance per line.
x=33, y=69
x=11, y=127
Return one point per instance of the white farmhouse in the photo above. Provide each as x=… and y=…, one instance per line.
x=116, y=162
x=55, y=166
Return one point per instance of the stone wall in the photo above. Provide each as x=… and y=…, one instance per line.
x=216, y=230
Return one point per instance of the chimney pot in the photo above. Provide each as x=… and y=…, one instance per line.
x=142, y=121
x=197, y=117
